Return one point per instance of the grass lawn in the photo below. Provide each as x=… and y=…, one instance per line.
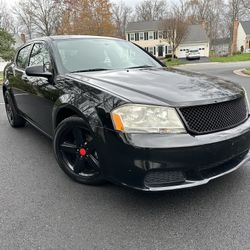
x=173, y=63
x=1, y=77
x=235, y=58
x=247, y=71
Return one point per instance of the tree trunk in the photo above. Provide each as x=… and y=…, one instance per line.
x=172, y=54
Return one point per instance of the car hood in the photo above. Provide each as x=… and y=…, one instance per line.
x=161, y=86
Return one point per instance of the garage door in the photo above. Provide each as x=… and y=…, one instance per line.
x=182, y=53
x=183, y=50
x=202, y=51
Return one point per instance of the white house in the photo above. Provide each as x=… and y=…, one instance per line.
x=243, y=36
x=149, y=35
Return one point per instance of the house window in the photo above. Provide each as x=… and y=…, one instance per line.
x=132, y=36
x=169, y=50
x=146, y=36
x=141, y=36
x=150, y=35
x=151, y=50
x=160, y=35
x=136, y=36
x=155, y=35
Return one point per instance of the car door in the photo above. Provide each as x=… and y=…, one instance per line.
x=18, y=80
x=43, y=92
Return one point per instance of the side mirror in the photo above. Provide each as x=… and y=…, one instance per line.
x=38, y=71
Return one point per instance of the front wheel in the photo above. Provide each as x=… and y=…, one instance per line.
x=75, y=150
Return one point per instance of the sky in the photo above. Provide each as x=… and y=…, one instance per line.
x=128, y=2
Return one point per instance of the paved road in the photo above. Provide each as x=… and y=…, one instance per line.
x=223, y=70
x=41, y=208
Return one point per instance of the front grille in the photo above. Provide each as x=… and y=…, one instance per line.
x=210, y=118
x=162, y=178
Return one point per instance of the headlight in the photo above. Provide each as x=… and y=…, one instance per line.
x=137, y=118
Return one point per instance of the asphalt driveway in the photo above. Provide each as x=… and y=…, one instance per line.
x=222, y=70
x=41, y=208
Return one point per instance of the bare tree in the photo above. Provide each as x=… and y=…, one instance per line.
x=121, y=16
x=23, y=11
x=39, y=16
x=175, y=27
x=46, y=15
x=209, y=13
x=6, y=19
x=151, y=10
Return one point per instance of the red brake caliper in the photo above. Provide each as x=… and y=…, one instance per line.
x=82, y=152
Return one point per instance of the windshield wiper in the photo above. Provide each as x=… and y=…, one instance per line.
x=88, y=70
x=141, y=66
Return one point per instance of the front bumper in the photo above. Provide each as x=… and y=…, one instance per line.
x=193, y=57
x=154, y=162
x=193, y=183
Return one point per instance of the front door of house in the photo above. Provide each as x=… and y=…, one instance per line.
x=160, y=50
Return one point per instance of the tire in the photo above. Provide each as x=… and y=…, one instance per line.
x=14, y=119
x=75, y=151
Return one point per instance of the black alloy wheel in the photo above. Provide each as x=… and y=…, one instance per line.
x=14, y=119
x=75, y=150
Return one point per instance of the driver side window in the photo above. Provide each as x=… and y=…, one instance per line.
x=40, y=57
x=23, y=57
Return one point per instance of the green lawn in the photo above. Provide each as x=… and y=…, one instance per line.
x=173, y=63
x=1, y=77
x=235, y=58
x=247, y=71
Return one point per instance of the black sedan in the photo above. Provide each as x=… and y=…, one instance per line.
x=116, y=113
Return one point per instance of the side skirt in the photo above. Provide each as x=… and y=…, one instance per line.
x=37, y=127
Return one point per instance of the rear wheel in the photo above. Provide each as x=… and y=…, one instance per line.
x=75, y=150
x=14, y=119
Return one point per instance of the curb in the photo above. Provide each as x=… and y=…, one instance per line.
x=240, y=73
x=195, y=64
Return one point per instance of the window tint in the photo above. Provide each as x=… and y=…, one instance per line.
x=85, y=54
x=23, y=57
x=40, y=56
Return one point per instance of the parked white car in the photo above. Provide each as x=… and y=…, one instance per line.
x=247, y=50
x=193, y=54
